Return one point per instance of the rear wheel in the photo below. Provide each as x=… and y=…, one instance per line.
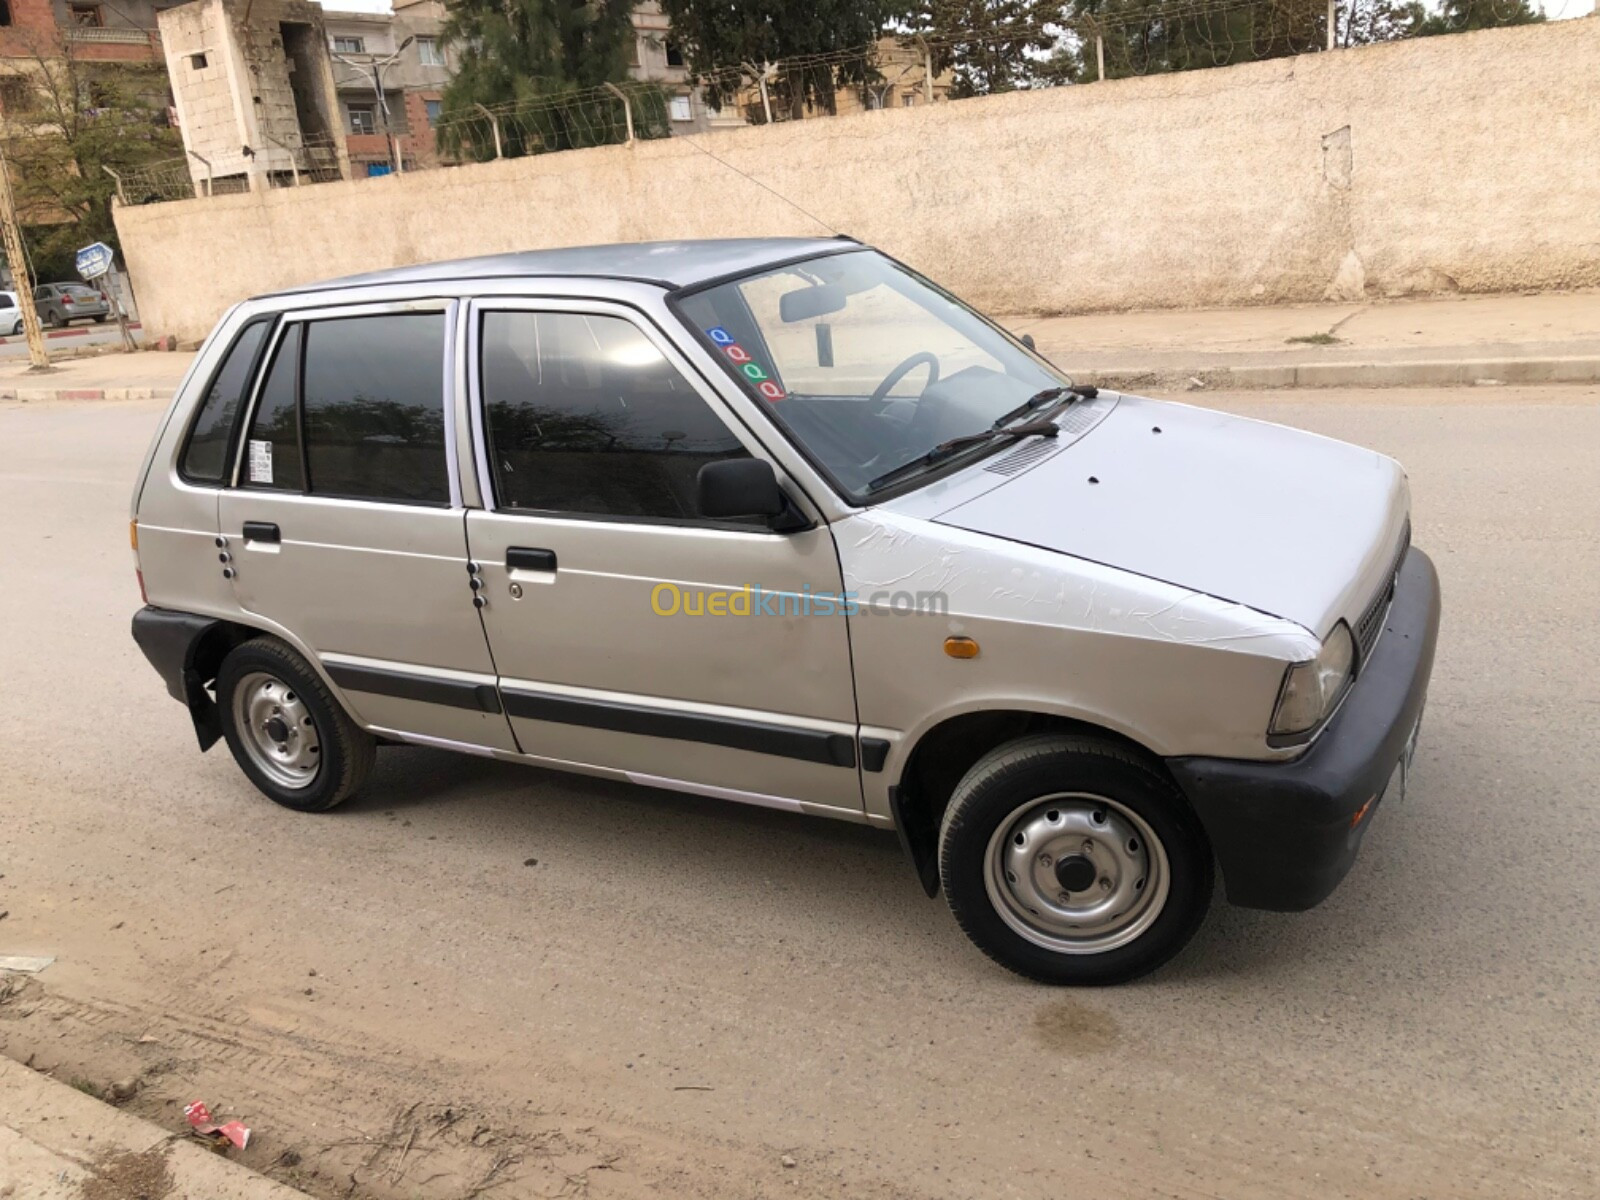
x=286, y=731
x=1074, y=860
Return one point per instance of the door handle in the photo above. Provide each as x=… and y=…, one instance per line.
x=522, y=558
x=261, y=531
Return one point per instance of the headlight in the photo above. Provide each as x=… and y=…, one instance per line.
x=1311, y=689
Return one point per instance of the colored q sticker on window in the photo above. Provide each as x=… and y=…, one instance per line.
x=747, y=365
x=260, y=461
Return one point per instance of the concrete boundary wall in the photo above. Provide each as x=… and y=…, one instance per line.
x=1461, y=163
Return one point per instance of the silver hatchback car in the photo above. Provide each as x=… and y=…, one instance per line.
x=782, y=522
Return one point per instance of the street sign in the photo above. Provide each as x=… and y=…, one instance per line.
x=94, y=261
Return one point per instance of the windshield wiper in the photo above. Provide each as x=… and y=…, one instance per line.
x=1043, y=428
x=1037, y=400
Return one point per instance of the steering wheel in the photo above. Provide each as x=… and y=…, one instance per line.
x=920, y=358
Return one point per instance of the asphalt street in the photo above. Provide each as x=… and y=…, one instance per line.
x=479, y=978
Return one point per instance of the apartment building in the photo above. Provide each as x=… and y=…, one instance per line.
x=389, y=72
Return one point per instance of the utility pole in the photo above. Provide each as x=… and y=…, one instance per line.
x=17, y=261
x=376, y=63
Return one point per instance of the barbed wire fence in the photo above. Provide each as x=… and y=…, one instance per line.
x=1114, y=39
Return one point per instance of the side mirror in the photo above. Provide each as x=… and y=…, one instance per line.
x=1027, y=340
x=740, y=487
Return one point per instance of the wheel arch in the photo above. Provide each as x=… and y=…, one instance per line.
x=187, y=650
x=944, y=752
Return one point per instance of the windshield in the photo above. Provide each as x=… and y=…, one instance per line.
x=865, y=365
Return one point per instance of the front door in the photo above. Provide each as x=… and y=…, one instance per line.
x=630, y=633
x=345, y=528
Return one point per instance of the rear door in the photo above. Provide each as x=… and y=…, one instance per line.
x=345, y=525
x=630, y=633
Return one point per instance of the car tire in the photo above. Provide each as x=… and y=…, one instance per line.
x=288, y=734
x=16, y=330
x=1074, y=860
x=101, y=319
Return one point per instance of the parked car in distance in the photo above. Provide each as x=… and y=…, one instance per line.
x=780, y=521
x=10, y=314
x=64, y=303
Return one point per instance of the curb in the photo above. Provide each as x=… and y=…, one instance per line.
x=54, y=1140
x=1410, y=373
x=46, y=395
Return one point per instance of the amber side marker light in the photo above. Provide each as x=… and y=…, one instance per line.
x=133, y=540
x=1361, y=813
x=961, y=647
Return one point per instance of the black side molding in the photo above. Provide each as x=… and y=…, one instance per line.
x=762, y=737
x=403, y=685
x=874, y=753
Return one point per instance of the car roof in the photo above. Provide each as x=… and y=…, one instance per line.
x=667, y=264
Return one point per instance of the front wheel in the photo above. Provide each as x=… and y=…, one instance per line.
x=288, y=734
x=1074, y=860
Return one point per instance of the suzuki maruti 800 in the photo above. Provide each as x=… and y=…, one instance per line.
x=782, y=522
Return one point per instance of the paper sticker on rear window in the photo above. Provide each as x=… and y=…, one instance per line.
x=260, y=461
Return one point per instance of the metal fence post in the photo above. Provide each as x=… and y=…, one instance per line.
x=121, y=195
x=494, y=127
x=627, y=108
x=1333, y=21
x=207, y=162
x=1100, y=57
x=762, y=74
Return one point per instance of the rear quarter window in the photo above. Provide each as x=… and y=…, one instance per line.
x=205, y=455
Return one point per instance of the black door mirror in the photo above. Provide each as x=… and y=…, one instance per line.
x=740, y=487
x=1027, y=340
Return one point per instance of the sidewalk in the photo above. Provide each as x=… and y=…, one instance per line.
x=55, y=1140
x=145, y=375
x=1545, y=338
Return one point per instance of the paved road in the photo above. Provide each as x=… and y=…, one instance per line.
x=672, y=995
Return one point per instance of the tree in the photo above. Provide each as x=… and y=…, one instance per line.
x=1457, y=15
x=992, y=45
x=719, y=36
x=536, y=58
x=67, y=119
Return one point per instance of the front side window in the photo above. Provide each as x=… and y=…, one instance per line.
x=374, y=408
x=864, y=365
x=272, y=449
x=205, y=457
x=585, y=416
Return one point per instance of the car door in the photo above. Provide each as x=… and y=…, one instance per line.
x=630, y=634
x=345, y=524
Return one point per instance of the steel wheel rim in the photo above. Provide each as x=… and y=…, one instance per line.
x=1076, y=873
x=277, y=730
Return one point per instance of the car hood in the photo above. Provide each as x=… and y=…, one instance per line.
x=1286, y=522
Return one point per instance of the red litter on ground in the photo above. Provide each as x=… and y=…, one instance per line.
x=199, y=1118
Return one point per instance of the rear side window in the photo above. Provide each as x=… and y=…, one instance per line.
x=272, y=451
x=374, y=408
x=586, y=416
x=205, y=456
x=6, y=301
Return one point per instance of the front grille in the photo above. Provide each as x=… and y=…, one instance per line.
x=1371, y=623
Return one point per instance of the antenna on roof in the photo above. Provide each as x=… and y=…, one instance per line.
x=764, y=187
